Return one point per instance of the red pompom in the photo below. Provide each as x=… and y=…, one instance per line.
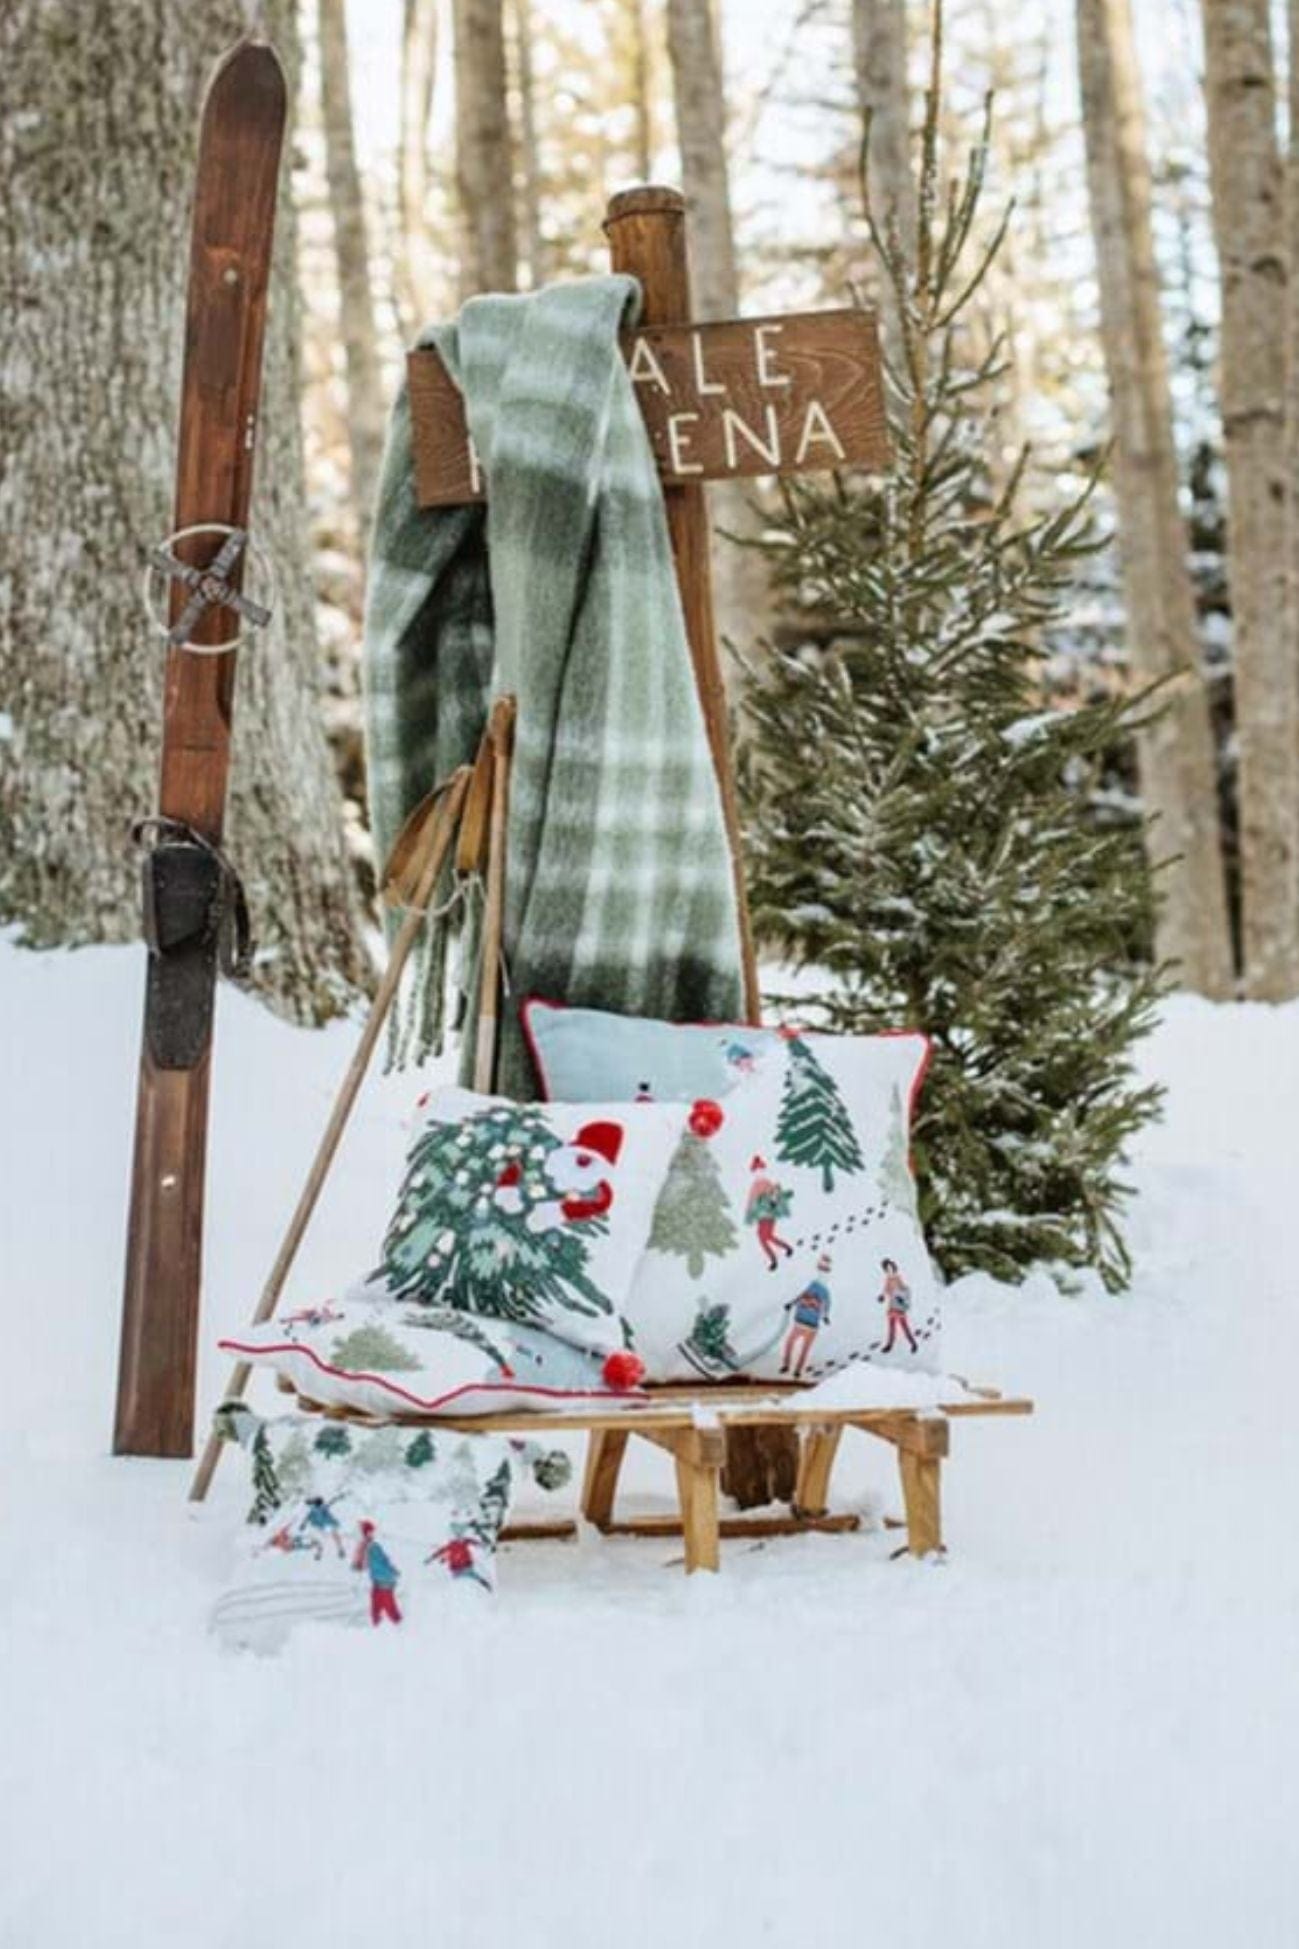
x=706, y=1118
x=624, y=1369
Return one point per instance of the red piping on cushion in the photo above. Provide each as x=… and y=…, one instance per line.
x=430, y=1406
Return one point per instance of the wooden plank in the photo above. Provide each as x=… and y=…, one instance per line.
x=921, y=1496
x=605, y=1450
x=562, y=1530
x=648, y=1420
x=725, y=401
x=812, y=1492
x=755, y=1527
x=697, y=1490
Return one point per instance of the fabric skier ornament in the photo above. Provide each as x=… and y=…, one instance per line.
x=386, y=1358
x=786, y=1242
x=532, y=1214
x=372, y=1527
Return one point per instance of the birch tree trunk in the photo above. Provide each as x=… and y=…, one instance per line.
x=484, y=150
x=533, y=238
x=365, y=412
x=1176, y=755
x=97, y=148
x=879, y=50
x=1249, y=227
x=741, y=580
x=642, y=104
x=418, y=66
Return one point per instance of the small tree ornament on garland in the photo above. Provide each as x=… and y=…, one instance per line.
x=922, y=825
x=814, y=1128
x=482, y=1224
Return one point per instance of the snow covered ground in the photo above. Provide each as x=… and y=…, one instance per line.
x=1080, y=1730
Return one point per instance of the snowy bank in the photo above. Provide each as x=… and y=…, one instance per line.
x=1076, y=1732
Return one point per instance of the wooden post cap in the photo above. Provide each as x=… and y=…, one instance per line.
x=644, y=200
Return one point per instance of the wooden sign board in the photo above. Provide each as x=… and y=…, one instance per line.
x=792, y=395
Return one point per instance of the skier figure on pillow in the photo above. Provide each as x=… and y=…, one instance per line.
x=769, y=1202
x=378, y=1566
x=576, y=1172
x=896, y=1300
x=811, y=1312
x=457, y=1553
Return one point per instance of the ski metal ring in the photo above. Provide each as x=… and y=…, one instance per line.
x=209, y=587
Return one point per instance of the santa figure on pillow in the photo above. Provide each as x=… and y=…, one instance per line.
x=577, y=1172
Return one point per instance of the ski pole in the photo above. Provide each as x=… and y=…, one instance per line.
x=414, y=869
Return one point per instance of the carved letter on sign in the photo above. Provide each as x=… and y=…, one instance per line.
x=790, y=395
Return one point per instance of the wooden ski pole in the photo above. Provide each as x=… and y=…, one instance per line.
x=411, y=878
x=500, y=733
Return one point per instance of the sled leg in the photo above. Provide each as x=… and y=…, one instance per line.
x=921, y=1498
x=811, y=1493
x=604, y=1452
x=700, y=1453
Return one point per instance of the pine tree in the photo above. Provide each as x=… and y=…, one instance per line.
x=918, y=821
x=421, y=1450
x=814, y=1127
x=267, y=1494
x=691, y=1217
x=333, y=1441
x=372, y=1346
x=709, y=1344
x=452, y=1239
x=293, y=1468
x=897, y=1186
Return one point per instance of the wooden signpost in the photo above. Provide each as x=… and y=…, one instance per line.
x=748, y=396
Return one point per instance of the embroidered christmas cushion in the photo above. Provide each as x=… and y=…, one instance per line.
x=531, y=1213
x=365, y=1526
x=392, y=1358
x=786, y=1242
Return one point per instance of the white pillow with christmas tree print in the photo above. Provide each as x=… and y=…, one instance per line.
x=786, y=1242
x=532, y=1213
x=388, y=1358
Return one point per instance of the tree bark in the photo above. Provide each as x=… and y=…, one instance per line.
x=97, y=145
x=879, y=49
x=1249, y=226
x=740, y=577
x=1176, y=755
x=365, y=410
x=418, y=66
x=484, y=150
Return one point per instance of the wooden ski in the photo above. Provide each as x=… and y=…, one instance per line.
x=192, y=906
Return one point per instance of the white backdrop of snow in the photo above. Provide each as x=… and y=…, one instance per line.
x=1078, y=1731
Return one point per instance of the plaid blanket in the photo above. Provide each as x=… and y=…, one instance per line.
x=619, y=888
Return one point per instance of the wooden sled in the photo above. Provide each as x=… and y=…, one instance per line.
x=692, y=1424
x=699, y=1424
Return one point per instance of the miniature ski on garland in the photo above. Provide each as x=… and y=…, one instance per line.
x=194, y=920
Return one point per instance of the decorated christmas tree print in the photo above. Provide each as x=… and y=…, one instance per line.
x=814, y=1128
x=294, y=1467
x=442, y=1319
x=692, y=1217
x=897, y=1187
x=372, y=1349
x=495, y=1213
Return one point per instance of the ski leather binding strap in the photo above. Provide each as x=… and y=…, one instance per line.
x=195, y=922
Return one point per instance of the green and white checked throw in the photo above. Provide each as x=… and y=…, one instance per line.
x=619, y=886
